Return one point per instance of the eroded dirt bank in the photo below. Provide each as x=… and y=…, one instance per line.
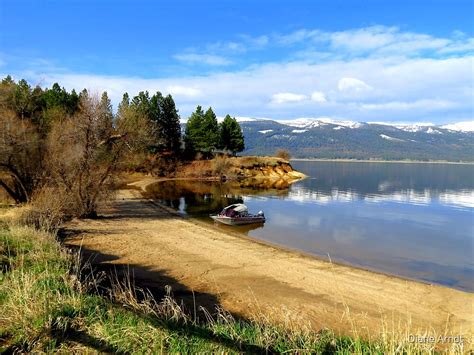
x=248, y=277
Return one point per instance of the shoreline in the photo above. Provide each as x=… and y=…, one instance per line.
x=147, y=236
x=382, y=161
x=144, y=183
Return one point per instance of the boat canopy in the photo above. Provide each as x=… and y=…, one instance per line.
x=238, y=207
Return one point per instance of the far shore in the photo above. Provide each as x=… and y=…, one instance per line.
x=385, y=161
x=159, y=246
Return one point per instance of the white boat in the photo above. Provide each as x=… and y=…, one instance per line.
x=238, y=214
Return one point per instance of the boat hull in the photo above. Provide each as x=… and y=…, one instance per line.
x=235, y=221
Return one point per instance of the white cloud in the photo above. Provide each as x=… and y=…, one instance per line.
x=426, y=89
x=466, y=45
x=208, y=59
x=318, y=96
x=285, y=97
x=367, y=74
x=352, y=85
x=297, y=36
x=183, y=91
x=419, y=104
x=255, y=42
x=362, y=39
x=375, y=41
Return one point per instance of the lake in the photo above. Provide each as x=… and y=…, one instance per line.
x=411, y=220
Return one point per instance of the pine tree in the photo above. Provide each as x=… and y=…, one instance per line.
x=171, y=128
x=8, y=80
x=193, y=134
x=141, y=103
x=155, y=117
x=136, y=125
x=84, y=95
x=22, y=99
x=105, y=116
x=73, y=102
x=211, y=130
x=202, y=132
x=58, y=98
x=231, y=137
x=123, y=105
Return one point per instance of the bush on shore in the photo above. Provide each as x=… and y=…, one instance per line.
x=283, y=154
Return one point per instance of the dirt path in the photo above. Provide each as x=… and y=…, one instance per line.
x=248, y=277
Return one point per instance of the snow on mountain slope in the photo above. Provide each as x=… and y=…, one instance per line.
x=384, y=136
x=466, y=126
x=318, y=122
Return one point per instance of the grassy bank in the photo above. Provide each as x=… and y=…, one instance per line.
x=45, y=307
x=50, y=303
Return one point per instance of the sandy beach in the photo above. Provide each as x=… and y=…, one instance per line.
x=199, y=261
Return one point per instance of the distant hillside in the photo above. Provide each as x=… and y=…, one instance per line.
x=312, y=138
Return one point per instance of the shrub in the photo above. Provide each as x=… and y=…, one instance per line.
x=48, y=208
x=221, y=166
x=283, y=154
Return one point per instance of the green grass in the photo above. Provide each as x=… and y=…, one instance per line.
x=45, y=308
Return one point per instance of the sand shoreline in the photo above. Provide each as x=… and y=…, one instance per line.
x=244, y=274
x=142, y=184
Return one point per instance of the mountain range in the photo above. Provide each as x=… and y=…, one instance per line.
x=329, y=139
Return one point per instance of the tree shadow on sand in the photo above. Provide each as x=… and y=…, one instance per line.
x=156, y=283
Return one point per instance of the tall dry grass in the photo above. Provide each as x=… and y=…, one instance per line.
x=48, y=304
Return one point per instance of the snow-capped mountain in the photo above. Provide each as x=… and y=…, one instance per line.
x=317, y=122
x=307, y=123
x=327, y=138
x=466, y=126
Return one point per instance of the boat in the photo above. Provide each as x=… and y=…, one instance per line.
x=238, y=214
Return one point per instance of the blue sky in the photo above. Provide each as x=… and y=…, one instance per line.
x=407, y=61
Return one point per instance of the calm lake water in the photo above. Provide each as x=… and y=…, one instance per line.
x=411, y=220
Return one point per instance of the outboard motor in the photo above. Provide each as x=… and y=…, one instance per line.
x=260, y=214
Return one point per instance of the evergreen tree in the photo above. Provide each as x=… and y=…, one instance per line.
x=202, y=132
x=72, y=102
x=84, y=95
x=129, y=120
x=171, y=128
x=193, y=134
x=211, y=128
x=8, y=80
x=231, y=137
x=141, y=103
x=155, y=117
x=22, y=99
x=58, y=98
x=123, y=105
x=105, y=117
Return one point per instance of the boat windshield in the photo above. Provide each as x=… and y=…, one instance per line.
x=234, y=210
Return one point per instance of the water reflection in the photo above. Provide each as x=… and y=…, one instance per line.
x=459, y=199
x=413, y=220
x=375, y=182
x=201, y=198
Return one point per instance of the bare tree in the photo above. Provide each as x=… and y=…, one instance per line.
x=21, y=156
x=81, y=160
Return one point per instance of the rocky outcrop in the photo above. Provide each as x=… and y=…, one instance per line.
x=278, y=170
x=237, y=168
